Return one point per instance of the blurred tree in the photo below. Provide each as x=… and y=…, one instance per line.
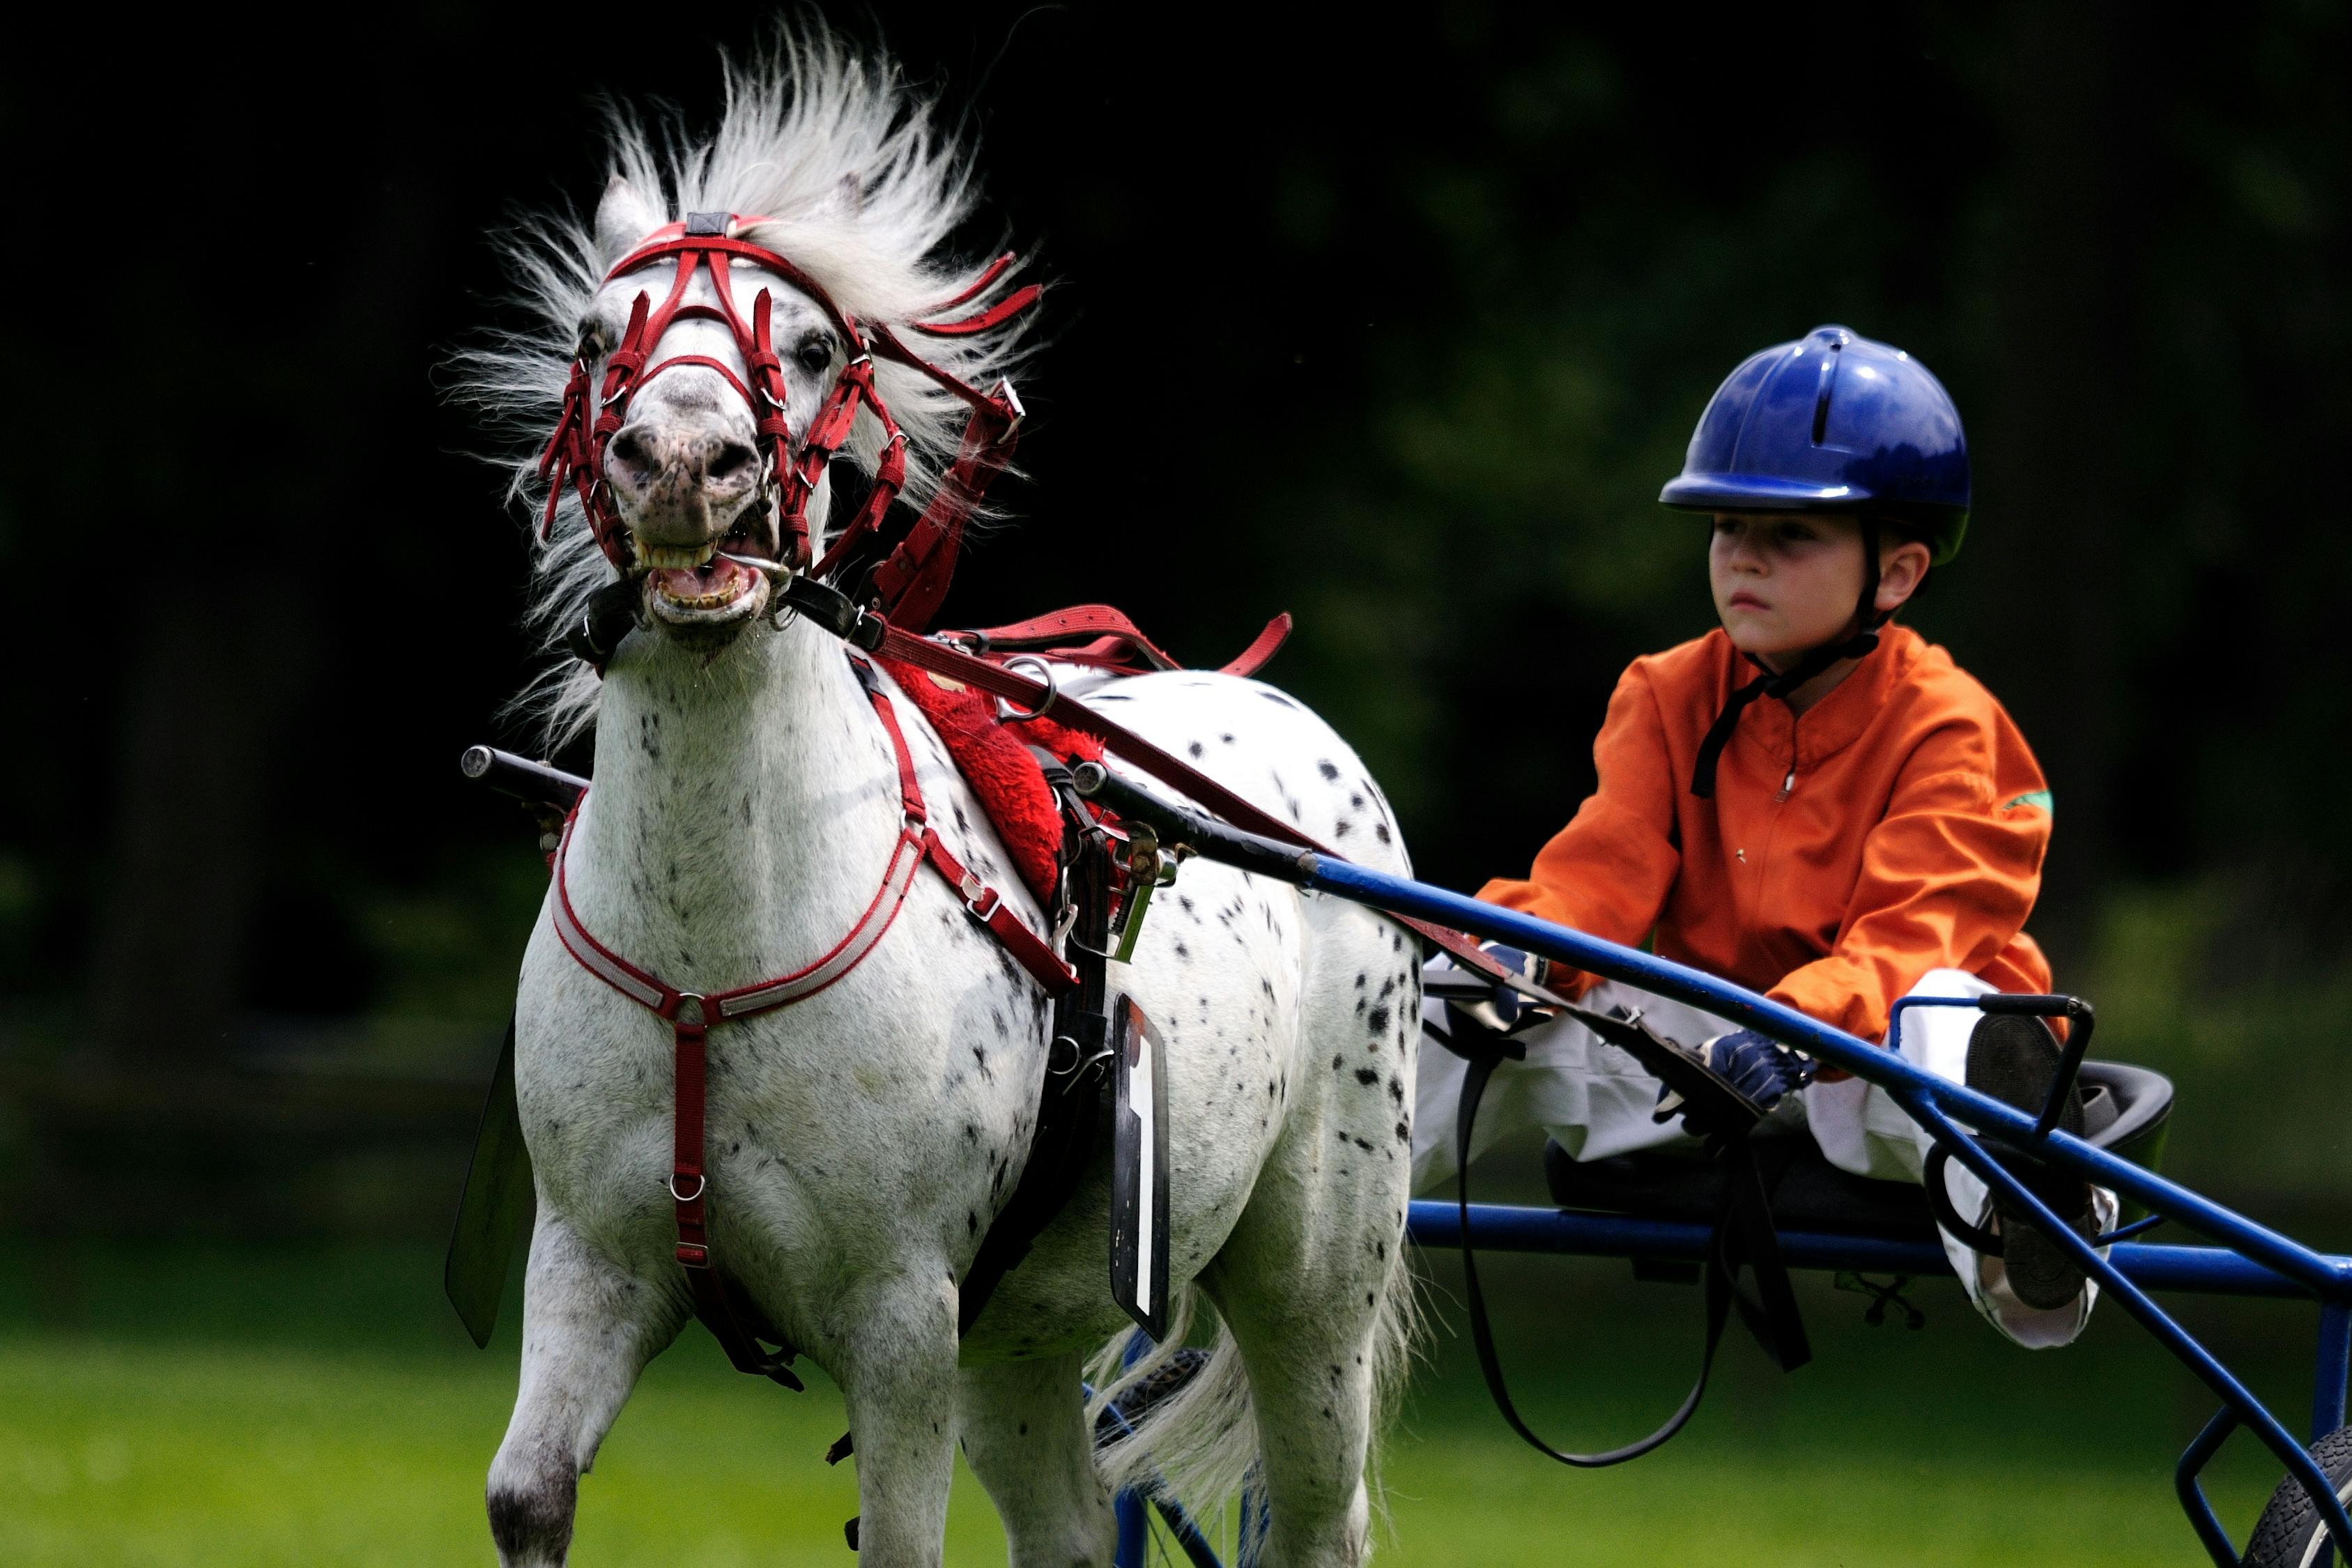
x=1398, y=328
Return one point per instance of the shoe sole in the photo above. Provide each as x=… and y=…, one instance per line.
x=2014, y=1059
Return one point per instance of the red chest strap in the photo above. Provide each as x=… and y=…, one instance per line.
x=691, y=1015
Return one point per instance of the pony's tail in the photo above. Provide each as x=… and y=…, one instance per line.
x=1197, y=1445
x=1200, y=1446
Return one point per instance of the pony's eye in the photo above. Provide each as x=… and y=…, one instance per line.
x=814, y=355
x=591, y=347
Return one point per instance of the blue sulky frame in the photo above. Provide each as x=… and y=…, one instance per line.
x=2251, y=1260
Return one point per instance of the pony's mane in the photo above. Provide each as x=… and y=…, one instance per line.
x=864, y=192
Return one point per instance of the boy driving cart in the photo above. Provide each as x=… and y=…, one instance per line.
x=1814, y=803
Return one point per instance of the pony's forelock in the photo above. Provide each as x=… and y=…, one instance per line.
x=859, y=188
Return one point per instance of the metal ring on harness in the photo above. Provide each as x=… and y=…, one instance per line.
x=1053, y=689
x=701, y=1184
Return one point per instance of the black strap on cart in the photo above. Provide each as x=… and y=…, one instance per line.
x=1742, y=1236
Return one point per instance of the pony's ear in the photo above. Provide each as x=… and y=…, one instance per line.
x=846, y=199
x=624, y=218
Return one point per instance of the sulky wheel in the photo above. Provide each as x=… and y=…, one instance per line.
x=2288, y=1534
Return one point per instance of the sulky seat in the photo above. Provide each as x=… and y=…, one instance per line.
x=2126, y=1110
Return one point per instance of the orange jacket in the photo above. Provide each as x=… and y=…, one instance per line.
x=1898, y=826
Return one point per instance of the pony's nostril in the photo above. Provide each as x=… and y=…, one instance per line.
x=629, y=448
x=731, y=458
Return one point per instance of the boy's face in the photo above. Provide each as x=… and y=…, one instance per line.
x=1785, y=581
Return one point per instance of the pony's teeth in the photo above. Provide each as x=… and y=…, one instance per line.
x=679, y=557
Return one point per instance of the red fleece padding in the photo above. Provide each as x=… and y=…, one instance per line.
x=993, y=757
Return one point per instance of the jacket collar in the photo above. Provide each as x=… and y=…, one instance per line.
x=1839, y=719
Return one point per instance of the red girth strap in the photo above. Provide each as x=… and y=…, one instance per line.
x=691, y=1015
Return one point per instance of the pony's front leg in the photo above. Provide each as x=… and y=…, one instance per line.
x=898, y=1379
x=588, y=1328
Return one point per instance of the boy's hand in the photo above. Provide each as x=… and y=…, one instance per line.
x=1762, y=1069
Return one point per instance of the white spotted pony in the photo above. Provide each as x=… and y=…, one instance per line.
x=745, y=803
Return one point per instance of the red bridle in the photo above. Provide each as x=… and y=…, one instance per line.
x=912, y=580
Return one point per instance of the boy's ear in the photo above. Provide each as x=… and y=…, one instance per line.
x=1901, y=570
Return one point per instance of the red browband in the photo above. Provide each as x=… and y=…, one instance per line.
x=913, y=580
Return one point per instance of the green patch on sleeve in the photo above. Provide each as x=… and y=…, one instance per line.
x=2037, y=798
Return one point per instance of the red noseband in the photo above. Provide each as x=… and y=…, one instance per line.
x=912, y=581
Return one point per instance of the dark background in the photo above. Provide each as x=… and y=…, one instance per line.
x=1396, y=325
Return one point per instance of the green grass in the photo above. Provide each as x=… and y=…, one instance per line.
x=201, y=1405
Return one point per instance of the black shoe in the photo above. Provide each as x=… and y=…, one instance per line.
x=2014, y=1059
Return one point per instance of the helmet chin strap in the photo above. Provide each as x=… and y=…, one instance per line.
x=1867, y=618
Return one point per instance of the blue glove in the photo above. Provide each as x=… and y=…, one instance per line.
x=1762, y=1069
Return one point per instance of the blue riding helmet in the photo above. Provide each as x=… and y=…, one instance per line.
x=1834, y=422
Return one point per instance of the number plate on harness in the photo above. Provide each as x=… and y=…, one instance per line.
x=1138, y=1182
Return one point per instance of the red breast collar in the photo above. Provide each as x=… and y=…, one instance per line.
x=692, y=1014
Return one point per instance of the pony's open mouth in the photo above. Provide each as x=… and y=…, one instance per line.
x=713, y=585
x=690, y=585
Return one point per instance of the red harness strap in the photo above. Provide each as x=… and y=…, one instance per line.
x=692, y=1014
x=1119, y=644
x=1037, y=697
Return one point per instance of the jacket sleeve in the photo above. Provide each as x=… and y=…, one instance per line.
x=1948, y=878
x=1609, y=870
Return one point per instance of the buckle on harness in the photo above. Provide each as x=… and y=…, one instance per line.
x=1045, y=677
x=980, y=900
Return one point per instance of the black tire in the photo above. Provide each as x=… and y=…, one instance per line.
x=2288, y=1534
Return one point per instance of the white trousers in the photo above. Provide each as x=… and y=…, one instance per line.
x=1596, y=1101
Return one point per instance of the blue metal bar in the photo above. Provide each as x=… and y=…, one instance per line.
x=2139, y=1226
x=2172, y=1336
x=2333, y=1363
x=1249, y=1551
x=2193, y=1461
x=1134, y=1530
x=1498, y=1227
x=2327, y=1388
x=2328, y=1278
x=1189, y=1539
x=1134, y=1522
